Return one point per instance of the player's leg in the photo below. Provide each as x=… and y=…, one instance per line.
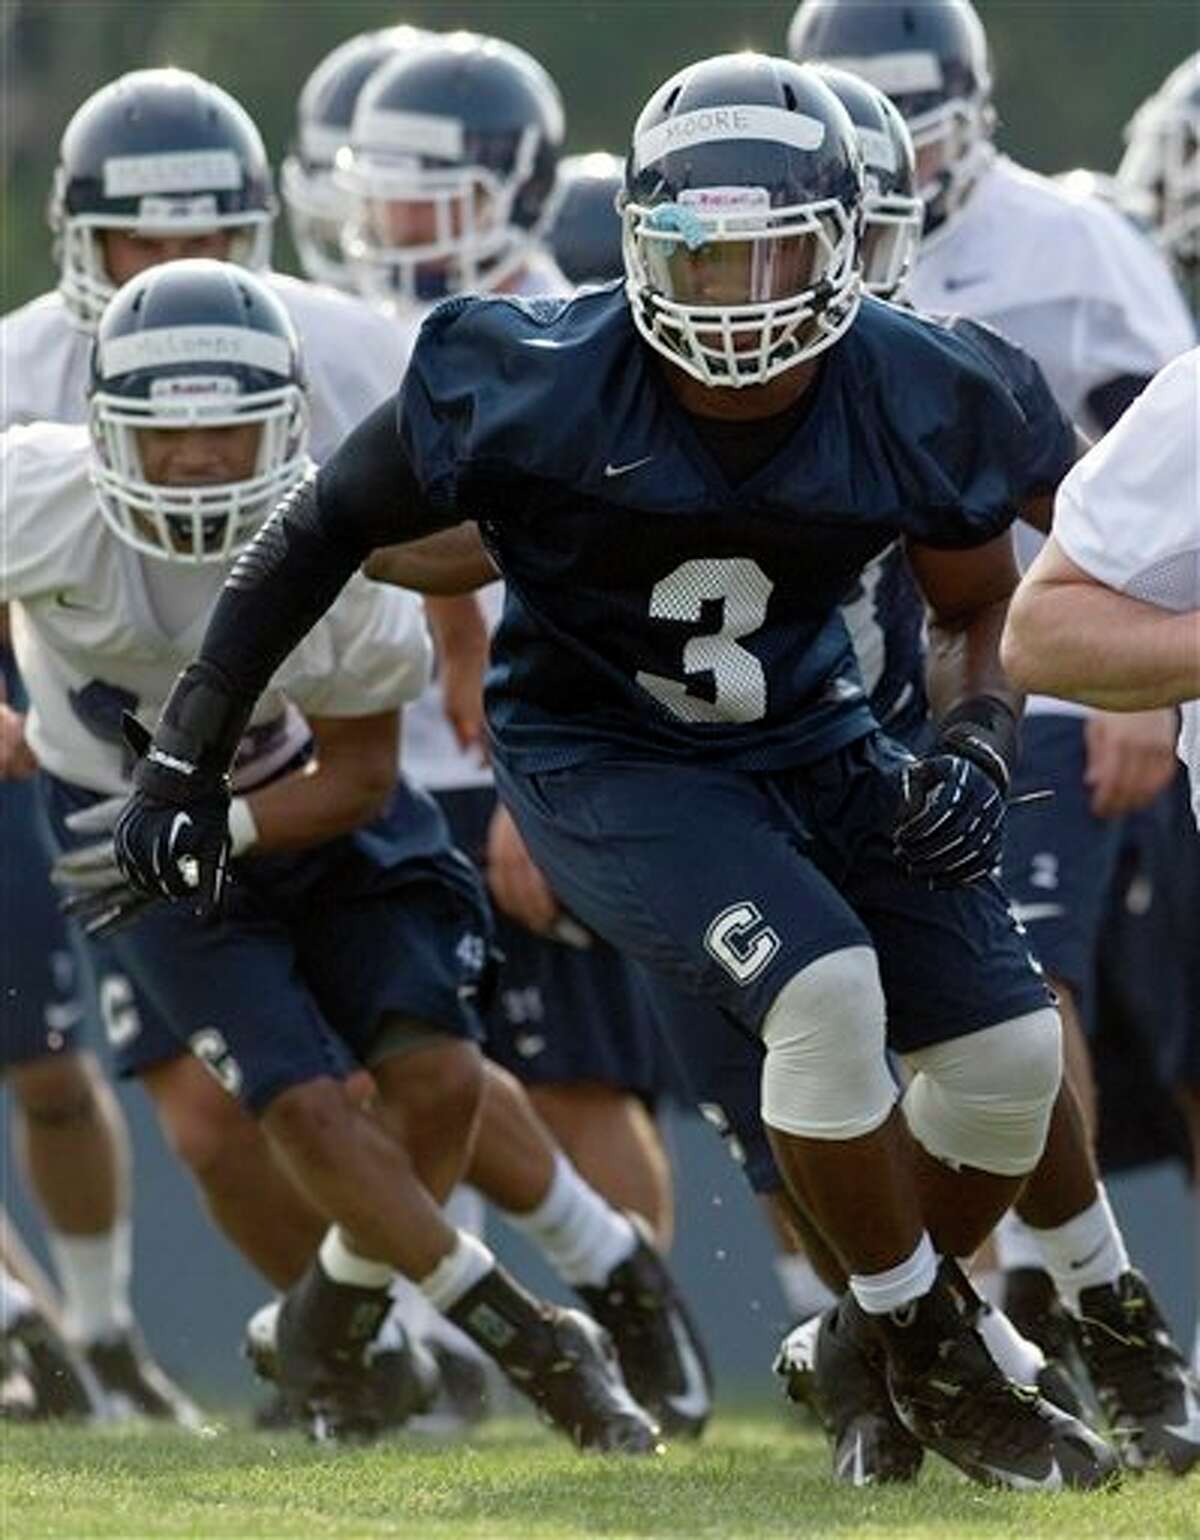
x=760, y=930
x=249, y=1197
x=43, y=1375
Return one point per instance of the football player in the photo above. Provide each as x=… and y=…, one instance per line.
x=358, y=934
x=1100, y=320
x=157, y=165
x=1158, y=174
x=679, y=482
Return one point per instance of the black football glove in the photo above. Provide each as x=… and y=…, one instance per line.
x=93, y=890
x=950, y=827
x=171, y=838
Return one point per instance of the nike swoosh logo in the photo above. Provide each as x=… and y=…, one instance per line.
x=1091, y=1257
x=695, y=1403
x=965, y=283
x=65, y=602
x=852, y=1466
x=611, y=470
x=1052, y=1481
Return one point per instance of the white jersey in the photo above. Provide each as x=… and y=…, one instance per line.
x=429, y=752
x=97, y=627
x=354, y=360
x=1067, y=279
x=1129, y=512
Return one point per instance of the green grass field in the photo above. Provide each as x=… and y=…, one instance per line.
x=754, y=1476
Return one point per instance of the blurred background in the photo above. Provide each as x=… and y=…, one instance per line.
x=1069, y=72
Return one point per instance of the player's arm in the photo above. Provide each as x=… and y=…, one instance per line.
x=1037, y=509
x=1072, y=636
x=460, y=634
x=367, y=495
x=347, y=784
x=452, y=562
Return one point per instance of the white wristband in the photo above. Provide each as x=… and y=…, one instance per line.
x=243, y=831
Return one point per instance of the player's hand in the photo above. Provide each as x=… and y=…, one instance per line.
x=94, y=891
x=517, y=886
x=17, y=760
x=172, y=836
x=950, y=827
x=1130, y=759
x=462, y=701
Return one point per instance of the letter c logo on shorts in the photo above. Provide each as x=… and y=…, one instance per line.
x=742, y=941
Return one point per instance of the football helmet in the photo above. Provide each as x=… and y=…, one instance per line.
x=1159, y=173
x=892, y=211
x=158, y=152
x=931, y=58
x=315, y=206
x=450, y=167
x=583, y=231
x=742, y=217
x=194, y=344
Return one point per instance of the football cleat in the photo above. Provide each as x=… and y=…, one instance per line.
x=574, y=1380
x=949, y=1393
x=357, y=1395
x=1146, y=1390
x=662, y=1357
x=135, y=1385
x=1033, y=1308
x=839, y=1375
x=63, y=1385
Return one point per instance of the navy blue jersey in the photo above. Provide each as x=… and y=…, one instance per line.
x=654, y=607
x=884, y=610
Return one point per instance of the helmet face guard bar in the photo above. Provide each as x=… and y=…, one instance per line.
x=739, y=297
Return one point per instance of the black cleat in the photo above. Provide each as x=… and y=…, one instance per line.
x=577, y=1386
x=949, y=1393
x=135, y=1385
x=840, y=1377
x=1032, y=1306
x=662, y=1357
x=1146, y=1390
x=63, y=1384
x=342, y=1377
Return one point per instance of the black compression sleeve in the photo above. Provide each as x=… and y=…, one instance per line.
x=366, y=495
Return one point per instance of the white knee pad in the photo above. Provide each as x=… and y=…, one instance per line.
x=825, y=1075
x=985, y=1100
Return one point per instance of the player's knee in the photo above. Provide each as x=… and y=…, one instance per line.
x=205, y=1127
x=985, y=1100
x=825, y=1075
x=439, y=1088
x=312, y=1123
x=58, y=1091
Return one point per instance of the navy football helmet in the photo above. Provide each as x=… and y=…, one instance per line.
x=315, y=206
x=451, y=163
x=158, y=152
x=194, y=344
x=892, y=211
x=742, y=217
x=1159, y=174
x=931, y=58
x=584, y=228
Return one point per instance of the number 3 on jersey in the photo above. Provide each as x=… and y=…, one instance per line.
x=743, y=590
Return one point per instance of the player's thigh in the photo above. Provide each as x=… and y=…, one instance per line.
x=1059, y=858
x=696, y=872
x=41, y=998
x=231, y=994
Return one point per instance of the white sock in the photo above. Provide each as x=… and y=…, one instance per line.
x=94, y=1272
x=346, y=1266
x=1019, y=1358
x=1086, y=1251
x=457, y=1272
x=988, y=1283
x=424, y=1323
x=804, y=1292
x=1017, y=1245
x=580, y=1235
x=15, y=1300
x=464, y=1209
x=911, y=1279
